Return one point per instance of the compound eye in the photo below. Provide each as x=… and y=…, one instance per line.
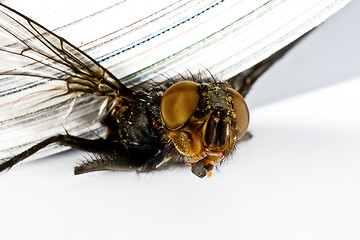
x=178, y=103
x=241, y=112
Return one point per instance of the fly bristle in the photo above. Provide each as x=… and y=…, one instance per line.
x=93, y=162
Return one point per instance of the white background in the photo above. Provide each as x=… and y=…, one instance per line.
x=298, y=178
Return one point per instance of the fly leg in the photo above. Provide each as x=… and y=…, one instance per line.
x=247, y=136
x=99, y=146
x=107, y=155
x=119, y=159
x=122, y=160
x=154, y=161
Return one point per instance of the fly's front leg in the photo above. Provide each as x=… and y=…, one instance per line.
x=98, y=146
x=154, y=161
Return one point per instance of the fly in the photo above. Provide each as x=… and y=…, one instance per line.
x=192, y=120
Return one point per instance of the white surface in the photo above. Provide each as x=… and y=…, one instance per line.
x=298, y=178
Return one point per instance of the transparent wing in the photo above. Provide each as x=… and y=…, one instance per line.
x=243, y=81
x=42, y=76
x=31, y=50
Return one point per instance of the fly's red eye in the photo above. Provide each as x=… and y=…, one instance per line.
x=241, y=112
x=178, y=103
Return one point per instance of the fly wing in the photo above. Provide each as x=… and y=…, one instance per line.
x=33, y=51
x=243, y=81
x=41, y=77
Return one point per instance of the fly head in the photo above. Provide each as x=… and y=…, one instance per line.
x=204, y=121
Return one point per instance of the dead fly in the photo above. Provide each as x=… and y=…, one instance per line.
x=193, y=120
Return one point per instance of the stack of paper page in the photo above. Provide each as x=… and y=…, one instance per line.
x=140, y=40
